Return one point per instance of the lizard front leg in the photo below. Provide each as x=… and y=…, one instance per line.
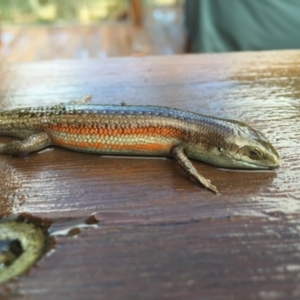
x=187, y=166
x=35, y=142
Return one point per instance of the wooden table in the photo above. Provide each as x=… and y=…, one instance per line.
x=160, y=236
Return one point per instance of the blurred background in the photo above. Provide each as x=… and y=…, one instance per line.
x=33, y=30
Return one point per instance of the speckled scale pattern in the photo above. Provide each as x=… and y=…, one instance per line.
x=114, y=129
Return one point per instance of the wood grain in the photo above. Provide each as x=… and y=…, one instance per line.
x=161, y=236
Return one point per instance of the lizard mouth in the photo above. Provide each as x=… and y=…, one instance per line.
x=273, y=167
x=254, y=166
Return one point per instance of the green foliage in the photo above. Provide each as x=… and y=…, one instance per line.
x=58, y=11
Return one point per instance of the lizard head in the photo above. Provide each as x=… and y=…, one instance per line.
x=238, y=146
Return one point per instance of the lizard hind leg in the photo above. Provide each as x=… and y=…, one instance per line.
x=187, y=166
x=33, y=143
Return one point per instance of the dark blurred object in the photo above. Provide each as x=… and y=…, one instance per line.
x=137, y=12
x=221, y=26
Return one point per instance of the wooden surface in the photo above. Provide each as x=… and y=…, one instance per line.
x=84, y=42
x=161, y=236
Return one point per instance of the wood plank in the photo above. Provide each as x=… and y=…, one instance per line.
x=161, y=236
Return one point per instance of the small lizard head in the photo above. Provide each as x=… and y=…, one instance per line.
x=255, y=154
x=241, y=147
x=252, y=150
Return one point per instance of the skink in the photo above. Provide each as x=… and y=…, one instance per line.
x=139, y=130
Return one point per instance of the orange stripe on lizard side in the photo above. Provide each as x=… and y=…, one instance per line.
x=90, y=130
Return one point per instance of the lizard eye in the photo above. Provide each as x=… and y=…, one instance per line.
x=255, y=154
